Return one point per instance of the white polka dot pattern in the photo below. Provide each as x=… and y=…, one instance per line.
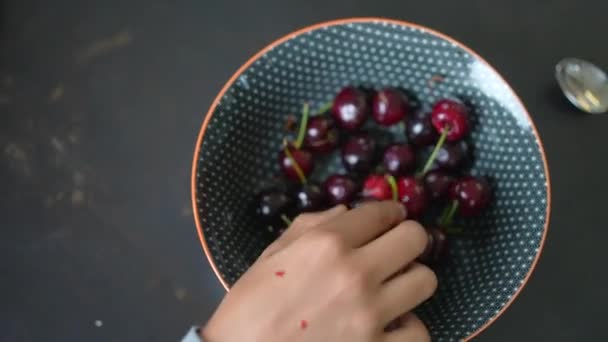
x=240, y=144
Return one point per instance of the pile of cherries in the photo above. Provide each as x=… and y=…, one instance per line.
x=377, y=169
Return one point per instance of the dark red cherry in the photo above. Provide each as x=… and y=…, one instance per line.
x=452, y=156
x=359, y=153
x=413, y=196
x=438, y=184
x=452, y=190
x=473, y=195
x=272, y=205
x=389, y=106
x=453, y=116
x=378, y=187
x=321, y=134
x=310, y=197
x=399, y=159
x=340, y=189
x=436, y=247
x=350, y=108
x=420, y=130
x=302, y=158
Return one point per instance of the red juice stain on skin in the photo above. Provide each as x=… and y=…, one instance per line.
x=279, y=273
x=303, y=324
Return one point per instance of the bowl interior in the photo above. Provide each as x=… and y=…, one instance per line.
x=239, y=145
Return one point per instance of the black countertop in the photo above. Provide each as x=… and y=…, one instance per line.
x=101, y=103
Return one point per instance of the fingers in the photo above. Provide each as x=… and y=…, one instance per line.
x=411, y=329
x=392, y=251
x=363, y=224
x=300, y=226
x=406, y=291
x=308, y=220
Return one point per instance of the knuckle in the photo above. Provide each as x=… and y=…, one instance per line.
x=391, y=212
x=365, y=321
x=327, y=242
x=352, y=278
x=377, y=213
x=347, y=274
x=371, y=210
x=304, y=220
x=357, y=280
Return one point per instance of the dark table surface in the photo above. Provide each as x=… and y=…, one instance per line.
x=100, y=105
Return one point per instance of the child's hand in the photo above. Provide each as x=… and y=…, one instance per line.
x=333, y=276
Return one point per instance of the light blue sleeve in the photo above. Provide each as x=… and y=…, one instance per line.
x=192, y=336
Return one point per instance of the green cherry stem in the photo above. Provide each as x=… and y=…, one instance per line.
x=433, y=156
x=303, y=125
x=286, y=219
x=448, y=218
x=402, y=126
x=454, y=230
x=393, y=184
x=325, y=107
x=296, y=167
x=331, y=138
x=444, y=214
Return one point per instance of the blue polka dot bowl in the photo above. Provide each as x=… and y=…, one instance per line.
x=245, y=126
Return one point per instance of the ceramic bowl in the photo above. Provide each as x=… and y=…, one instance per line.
x=244, y=129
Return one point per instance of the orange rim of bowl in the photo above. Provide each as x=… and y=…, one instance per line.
x=294, y=34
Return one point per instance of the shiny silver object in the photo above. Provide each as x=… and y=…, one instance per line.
x=584, y=84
